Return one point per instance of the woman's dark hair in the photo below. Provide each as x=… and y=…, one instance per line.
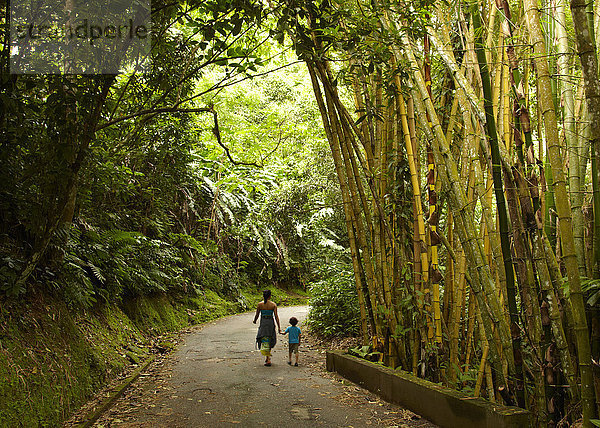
x=266, y=295
x=293, y=320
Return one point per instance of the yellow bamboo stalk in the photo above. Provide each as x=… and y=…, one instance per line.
x=470, y=331
x=488, y=373
x=481, y=372
x=452, y=122
x=490, y=31
x=449, y=279
x=496, y=90
x=457, y=310
x=415, y=185
x=348, y=210
x=506, y=95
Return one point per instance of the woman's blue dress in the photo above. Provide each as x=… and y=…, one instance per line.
x=266, y=329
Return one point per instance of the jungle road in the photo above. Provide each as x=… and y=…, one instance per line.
x=216, y=378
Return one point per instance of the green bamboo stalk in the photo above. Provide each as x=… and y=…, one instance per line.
x=500, y=206
x=562, y=199
x=550, y=296
x=353, y=224
x=585, y=40
x=572, y=142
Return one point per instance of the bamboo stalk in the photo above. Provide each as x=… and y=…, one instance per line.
x=524, y=270
x=433, y=218
x=551, y=298
x=466, y=230
x=562, y=203
x=500, y=208
x=449, y=279
x=586, y=49
x=347, y=210
x=572, y=142
x=470, y=332
x=487, y=368
x=457, y=310
x=411, y=157
x=481, y=372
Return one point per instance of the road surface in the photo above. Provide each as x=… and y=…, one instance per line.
x=217, y=379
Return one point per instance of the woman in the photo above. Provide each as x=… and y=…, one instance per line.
x=266, y=337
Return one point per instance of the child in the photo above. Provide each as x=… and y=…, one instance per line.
x=294, y=339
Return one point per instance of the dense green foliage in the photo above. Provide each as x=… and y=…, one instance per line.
x=158, y=199
x=334, y=306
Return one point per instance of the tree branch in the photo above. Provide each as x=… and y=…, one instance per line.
x=218, y=135
x=154, y=111
x=215, y=130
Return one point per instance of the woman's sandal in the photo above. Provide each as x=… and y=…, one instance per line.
x=268, y=364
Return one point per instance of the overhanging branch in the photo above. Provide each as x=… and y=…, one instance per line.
x=153, y=111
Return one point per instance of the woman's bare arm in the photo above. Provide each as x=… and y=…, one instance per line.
x=277, y=318
x=257, y=314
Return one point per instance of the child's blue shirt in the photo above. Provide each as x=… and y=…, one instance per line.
x=294, y=333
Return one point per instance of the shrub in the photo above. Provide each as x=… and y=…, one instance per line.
x=334, y=307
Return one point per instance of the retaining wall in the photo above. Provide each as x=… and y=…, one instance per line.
x=443, y=406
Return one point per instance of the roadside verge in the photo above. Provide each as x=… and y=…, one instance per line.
x=113, y=395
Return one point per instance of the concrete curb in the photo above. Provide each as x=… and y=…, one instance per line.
x=443, y=406
x=107, y=403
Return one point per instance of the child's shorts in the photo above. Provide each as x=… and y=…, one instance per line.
x=294, y=347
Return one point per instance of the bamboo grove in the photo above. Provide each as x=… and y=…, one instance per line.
x=466, y=141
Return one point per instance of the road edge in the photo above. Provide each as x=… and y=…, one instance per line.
x=93, y=415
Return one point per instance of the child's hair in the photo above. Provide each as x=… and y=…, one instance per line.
x=293, y=321
x=266, y=295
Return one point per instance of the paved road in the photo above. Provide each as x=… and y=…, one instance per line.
x=217, y=379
